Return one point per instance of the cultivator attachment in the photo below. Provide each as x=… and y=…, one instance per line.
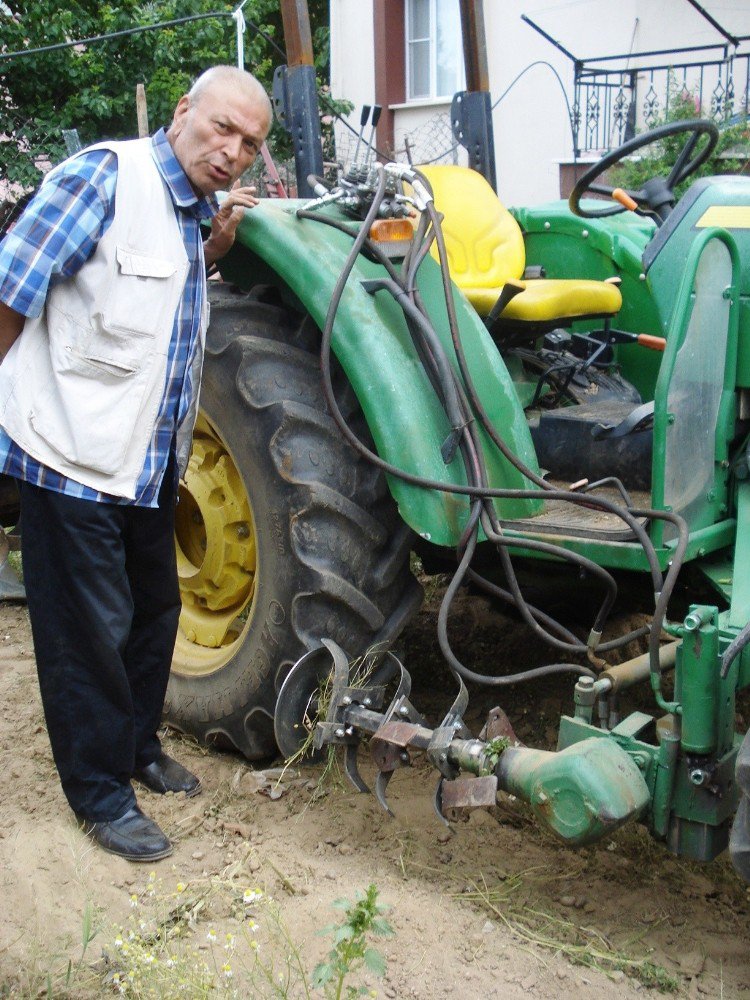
x=580, y=793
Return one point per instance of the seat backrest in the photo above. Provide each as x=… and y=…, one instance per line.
x=484, y=242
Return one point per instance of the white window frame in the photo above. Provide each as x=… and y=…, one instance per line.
x=409, y=41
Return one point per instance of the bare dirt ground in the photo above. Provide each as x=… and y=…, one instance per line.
x=495, y=909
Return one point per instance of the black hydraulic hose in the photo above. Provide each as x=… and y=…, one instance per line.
x=377, y=254
x=441, y=486
x=734, y=649
x=372, y=248
x=617, y=484
x=595, y=569
x=481, y=492
x=544, y=619
x=417, y=244
x=662, y=600
x=456, y=416
x=502, y=542
x=483, y=416
x=462, y=671
x=424, y=327
x=447, y=380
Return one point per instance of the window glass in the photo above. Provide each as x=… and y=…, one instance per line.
x=448, y=48
x=419, y=19
x=434, y=55
x=419, y=68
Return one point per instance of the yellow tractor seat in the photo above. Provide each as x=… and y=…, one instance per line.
x=487, y=259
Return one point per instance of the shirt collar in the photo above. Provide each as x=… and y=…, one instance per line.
x=180, y=188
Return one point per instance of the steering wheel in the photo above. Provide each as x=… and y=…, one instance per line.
x=657, y=196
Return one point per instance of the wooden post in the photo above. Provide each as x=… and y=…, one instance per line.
x=141, y=110
x=475, y=46
x=295, y=18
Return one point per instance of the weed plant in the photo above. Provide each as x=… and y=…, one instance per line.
x=169, y=948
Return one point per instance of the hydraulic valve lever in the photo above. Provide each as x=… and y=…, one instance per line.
x=364, y=115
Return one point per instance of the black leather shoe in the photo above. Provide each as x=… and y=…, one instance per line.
x=166, y=775
x=133, y=836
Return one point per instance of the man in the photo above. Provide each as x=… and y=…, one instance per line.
x=102, y=320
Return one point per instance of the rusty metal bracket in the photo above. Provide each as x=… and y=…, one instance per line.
x=460, y=796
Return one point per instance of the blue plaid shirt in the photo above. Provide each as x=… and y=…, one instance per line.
x=52, y=240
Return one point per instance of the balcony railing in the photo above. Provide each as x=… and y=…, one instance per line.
x=615, y=96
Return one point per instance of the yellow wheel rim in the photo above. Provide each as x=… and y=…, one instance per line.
x=216, y=545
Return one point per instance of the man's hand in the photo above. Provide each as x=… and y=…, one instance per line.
x=11, y=325
x=224, y=223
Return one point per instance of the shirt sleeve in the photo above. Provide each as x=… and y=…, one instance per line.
x=58, y=230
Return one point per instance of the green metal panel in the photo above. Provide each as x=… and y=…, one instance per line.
x=373, y=345
x=700, y=820
x=739, y=612
x=630, y=555
x=697, y=681
x=568, y=246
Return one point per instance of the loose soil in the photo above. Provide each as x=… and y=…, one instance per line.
x=494, y=908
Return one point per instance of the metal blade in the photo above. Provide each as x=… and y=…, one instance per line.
x=438, y=803
x=381, y=783
x=352, y=771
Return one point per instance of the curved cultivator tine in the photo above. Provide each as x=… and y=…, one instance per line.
x=381, y=783
x=352, y=770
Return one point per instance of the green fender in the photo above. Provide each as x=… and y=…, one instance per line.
x=373, y=346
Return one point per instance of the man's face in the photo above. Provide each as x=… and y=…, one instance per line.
x=217, y=137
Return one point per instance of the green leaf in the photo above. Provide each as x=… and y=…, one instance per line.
x=375, y=961
x=321, y=974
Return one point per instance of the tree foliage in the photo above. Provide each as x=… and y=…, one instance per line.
x=92, y=88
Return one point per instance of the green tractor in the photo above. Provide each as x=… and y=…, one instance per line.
x=399, y=363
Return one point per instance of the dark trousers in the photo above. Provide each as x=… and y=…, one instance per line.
x=104, y=602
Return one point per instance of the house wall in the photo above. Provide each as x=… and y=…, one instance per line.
x=532, y=131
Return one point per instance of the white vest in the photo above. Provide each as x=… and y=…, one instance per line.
x=81, y=387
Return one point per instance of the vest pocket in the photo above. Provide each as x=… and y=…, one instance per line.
x=142, y=294
x=92, y=413
x=91, y=407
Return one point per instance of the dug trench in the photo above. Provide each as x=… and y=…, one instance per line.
x=493, y=908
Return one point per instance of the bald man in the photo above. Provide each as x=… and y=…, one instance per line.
x=102, y=325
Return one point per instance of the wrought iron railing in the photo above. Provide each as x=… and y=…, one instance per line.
x=614, y=96
x=610, y=104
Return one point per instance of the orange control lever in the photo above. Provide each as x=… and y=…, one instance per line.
x=624, y=198
x=654, y=343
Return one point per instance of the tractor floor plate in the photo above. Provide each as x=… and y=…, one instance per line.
x=562, y=518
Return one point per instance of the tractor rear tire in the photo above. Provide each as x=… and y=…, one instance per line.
x=284, y=534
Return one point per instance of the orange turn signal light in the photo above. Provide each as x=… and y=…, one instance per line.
x=391, y=230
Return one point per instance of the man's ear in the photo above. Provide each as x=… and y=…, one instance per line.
x=180, y=111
